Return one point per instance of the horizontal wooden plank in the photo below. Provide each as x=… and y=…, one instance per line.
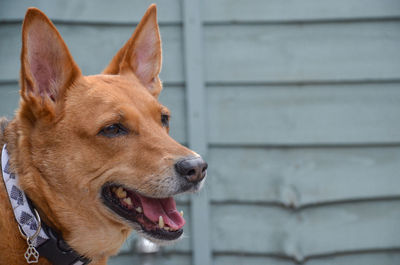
x=291, y=10
x=171, y=96
x=93, y=48
x=275, y=53
x=92, y=11
x=350, y=227
x=298, y=177
x=302, y=52
x=127, y=11
x=305, y=115
x=159, y=259
x=381, y=258
x=182, y=246
x=250, y=260
x=283, y=115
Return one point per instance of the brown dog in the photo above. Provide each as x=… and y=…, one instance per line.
x=93, y=152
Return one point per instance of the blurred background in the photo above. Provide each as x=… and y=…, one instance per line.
x=295, y=105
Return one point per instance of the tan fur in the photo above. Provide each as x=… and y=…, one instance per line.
x=61, y=160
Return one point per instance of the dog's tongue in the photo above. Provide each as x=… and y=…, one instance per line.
x=154, y=208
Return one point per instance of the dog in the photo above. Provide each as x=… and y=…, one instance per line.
x=92, y=154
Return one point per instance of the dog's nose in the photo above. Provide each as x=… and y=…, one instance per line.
x=193, y=169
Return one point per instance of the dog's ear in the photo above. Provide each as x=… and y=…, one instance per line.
x=141, y=54
x=47, y=67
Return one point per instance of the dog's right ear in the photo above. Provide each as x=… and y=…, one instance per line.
x=47, y=67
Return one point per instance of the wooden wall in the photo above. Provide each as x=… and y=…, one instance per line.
x=299, y=106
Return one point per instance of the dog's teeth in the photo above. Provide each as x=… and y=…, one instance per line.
x=120, y=192
x=181, y=213
x=161, y=222
x=139, y=209
x=166, y=228
x=128, y=201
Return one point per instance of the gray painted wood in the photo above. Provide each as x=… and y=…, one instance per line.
x=250, y=260
x=304, y=115
x=127, y=11
x=313, y=231
x=355, y=51
x=302, y=52
x=159, y=259
x=173, y=97
x=297, y=177
x=92, y=11
x=242, y=11
x=93, y=48
x=381, y=258
x=286, y=115
x=9, y=99
x=196, y=123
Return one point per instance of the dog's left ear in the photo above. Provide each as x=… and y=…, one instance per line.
x=141, y=54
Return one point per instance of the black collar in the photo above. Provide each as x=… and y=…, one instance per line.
x=56, y=250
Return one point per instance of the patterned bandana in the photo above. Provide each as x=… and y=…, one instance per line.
x=22, y=212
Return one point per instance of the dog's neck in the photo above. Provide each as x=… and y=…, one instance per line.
x=89, y=242
x=41, y=239
x=12, y=137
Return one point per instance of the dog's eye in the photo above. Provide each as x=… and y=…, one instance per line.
x=114, y=130
x=165, y=120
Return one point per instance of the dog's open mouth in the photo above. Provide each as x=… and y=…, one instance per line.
x=158, y=218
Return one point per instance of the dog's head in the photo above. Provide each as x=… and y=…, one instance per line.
x=97, y=148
